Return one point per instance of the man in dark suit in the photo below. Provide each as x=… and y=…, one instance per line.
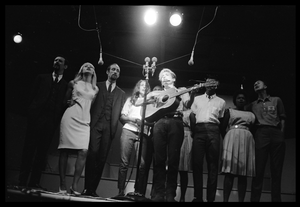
x=105, y=117
x=44, y=114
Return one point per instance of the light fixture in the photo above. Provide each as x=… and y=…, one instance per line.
x=18, y=38
x=150, y=16
x=176, y=19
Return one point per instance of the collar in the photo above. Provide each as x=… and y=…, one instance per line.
x=268, y=98
x=59, y=76
x=210, y=97
x=112, y=85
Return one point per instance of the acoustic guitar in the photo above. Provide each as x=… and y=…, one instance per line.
x=163, y=102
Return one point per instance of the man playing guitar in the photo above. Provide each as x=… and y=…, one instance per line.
x=162, y=102
x=168, y=133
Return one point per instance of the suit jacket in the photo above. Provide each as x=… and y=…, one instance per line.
x=40, y=95
x=99, y=105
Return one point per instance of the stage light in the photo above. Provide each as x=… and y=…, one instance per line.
x=18, y=38
x=175, y=19
x=150, y=16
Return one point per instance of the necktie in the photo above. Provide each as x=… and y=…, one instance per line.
x=56, y=79
x=109, y=88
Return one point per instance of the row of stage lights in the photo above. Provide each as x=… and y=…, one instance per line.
x=151, y=16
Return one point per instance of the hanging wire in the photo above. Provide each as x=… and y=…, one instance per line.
x=87, y=30
x=196, y=36
x=91, y=30
x=204, y=26
x=123, y=59
x=98, y=31
x=173, y=59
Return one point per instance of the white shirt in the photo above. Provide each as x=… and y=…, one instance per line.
x=208, y=110
x=59, y=77
x=133, y=111
x=113, y=85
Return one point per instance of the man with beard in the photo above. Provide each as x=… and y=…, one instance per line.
x=44, y=114
x=105, y=118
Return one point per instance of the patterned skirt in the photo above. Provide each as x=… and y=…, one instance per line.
x=238, y=155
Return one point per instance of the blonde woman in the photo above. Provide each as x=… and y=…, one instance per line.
x=75, y=124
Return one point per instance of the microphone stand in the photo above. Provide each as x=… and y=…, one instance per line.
x=133, y=196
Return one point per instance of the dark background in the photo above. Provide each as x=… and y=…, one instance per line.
x=242, y=43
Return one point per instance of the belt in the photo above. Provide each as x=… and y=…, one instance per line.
x=173, y=115
x=238, y=127
x=207, y=123
x=276, y=127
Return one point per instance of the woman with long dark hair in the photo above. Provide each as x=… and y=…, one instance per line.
x=129, y=140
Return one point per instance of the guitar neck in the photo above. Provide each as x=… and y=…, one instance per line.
x=186, y=90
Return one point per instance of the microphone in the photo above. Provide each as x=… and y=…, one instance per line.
x=100, y=62
x=147, y=60
x=154, y=60
x=191, y=61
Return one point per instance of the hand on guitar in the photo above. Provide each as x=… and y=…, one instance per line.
x=196, y=89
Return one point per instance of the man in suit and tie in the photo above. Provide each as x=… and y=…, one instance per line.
x=105, y=118
x=44, y=113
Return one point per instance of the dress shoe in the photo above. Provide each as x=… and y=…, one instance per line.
x=60, y=191
x=197, y=200
x=74, y=192
x=121, y=194
x=158, y=198
x=135, y=194
x=170, y=199
x=37, y=187
x=89, y=193
x=19, y=187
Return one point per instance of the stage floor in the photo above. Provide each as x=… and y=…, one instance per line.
x=16, y=194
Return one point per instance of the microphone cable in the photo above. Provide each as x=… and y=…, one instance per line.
x=203, y=27
x=91, y=30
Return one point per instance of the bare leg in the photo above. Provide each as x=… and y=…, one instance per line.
x=63, y=158
x=79, y=166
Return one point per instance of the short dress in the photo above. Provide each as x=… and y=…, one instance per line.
x=238, y=155
x=186, y=147
x=75, y=123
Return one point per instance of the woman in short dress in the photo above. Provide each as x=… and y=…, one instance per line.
x=238, y=158
x=75, y=124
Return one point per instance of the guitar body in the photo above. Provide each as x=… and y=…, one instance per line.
x=165, y=102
